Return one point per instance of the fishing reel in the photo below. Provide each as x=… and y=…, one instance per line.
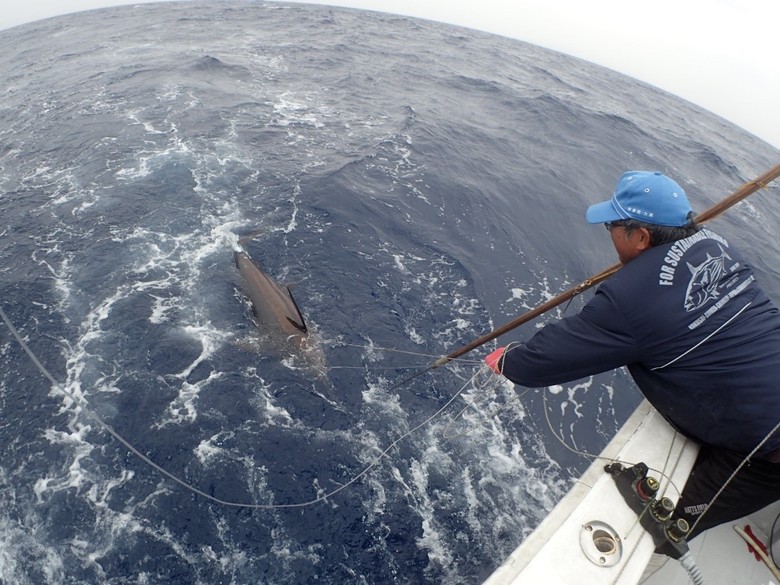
x=639, y=490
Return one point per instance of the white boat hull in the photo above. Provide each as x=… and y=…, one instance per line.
x=593, y=536
x=558, y=551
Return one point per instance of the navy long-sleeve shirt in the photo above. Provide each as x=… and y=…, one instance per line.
x=698, y=335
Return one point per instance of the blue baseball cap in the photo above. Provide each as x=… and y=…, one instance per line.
x=647, y=196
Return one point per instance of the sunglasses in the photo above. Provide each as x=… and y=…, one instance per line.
x=610, y=225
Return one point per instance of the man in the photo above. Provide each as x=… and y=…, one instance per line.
x=697, y=334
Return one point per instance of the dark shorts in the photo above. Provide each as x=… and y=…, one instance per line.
x=755, y=486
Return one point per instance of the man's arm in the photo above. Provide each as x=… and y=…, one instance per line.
x=596, y=340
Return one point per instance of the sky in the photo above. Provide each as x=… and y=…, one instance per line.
x=718, y=54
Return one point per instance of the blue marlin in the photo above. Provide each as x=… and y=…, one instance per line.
x=277, y=312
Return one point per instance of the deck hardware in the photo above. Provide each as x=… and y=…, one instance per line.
x=601, y=544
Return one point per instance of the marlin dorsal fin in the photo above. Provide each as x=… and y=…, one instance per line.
x=300, y=323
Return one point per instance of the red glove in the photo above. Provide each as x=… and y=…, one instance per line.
x=757, y=542
x=495, y=360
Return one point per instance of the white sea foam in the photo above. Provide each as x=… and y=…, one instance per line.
x=24, y=539
x=434, y=536
x=75, y=476
x=160, y=309
x=292, y=109
x=209, y=449
x=383, y=404
x=264, y=401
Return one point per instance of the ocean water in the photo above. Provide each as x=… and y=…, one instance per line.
x=419, y=184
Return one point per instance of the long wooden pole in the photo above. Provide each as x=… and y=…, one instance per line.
x=744, y=191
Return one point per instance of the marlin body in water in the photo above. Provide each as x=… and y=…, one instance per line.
x=275, y=309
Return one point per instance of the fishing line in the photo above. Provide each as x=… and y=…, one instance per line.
x=108, y=429
x=491, y=382
x=422, y=368
x=744, y=462
x=481, y=387
x=376, y=368
x=440, y=361
x=593, y=457
x=407, y=352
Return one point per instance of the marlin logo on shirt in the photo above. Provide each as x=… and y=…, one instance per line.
x=705, y=279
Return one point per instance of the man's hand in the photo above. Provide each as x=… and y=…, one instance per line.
x=495, y=360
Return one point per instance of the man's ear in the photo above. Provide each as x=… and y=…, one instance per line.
x=643, y=242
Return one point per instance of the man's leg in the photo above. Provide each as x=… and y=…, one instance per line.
x=755, y=486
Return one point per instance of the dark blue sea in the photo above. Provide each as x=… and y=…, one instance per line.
x=419, y=184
